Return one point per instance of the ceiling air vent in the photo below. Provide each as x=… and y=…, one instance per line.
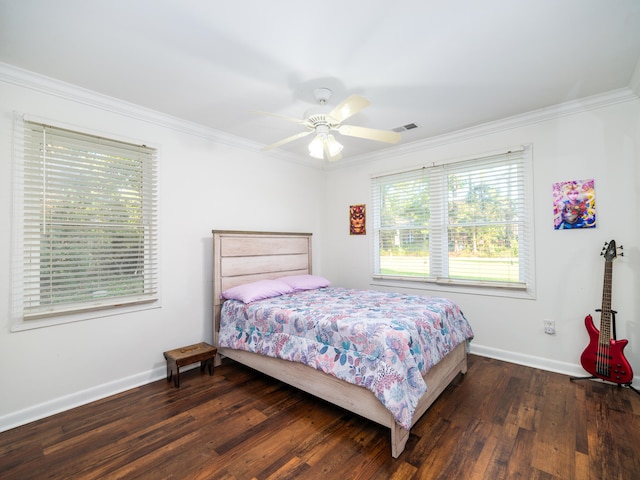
x=408, y=126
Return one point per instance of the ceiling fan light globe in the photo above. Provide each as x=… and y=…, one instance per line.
x=316, y=148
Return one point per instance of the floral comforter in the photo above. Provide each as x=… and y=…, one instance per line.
x=382, y=341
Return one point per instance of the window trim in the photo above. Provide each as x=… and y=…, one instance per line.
x=19, y=321
x=526, y=290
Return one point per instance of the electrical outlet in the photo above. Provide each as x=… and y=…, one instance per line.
x=549, y=326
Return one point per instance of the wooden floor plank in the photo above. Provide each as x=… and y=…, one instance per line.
x=499, y=421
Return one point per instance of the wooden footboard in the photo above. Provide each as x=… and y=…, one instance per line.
x=242, y=257
x=353, y=398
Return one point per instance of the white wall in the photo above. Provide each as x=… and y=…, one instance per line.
x=204, y=184
x=51, y=369
x=603, y=144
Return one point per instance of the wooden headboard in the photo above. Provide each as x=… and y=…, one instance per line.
x=243, y=257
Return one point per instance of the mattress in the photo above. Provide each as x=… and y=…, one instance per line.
x=381, y=341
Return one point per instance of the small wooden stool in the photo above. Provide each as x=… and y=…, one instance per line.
x=200, y=352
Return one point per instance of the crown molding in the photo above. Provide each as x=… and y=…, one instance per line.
x=40, y=83
x=50, y=86
x=573, y=107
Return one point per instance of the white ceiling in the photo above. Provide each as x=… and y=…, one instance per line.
x=443, y=64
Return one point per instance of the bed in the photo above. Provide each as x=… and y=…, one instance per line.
x=256, y=258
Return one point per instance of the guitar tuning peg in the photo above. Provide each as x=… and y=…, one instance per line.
x=621, y=247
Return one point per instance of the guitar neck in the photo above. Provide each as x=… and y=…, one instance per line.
x=605, y=315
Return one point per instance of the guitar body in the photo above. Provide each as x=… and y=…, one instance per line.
x=605, y=361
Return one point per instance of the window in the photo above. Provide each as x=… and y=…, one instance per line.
x=459, y=223
x=86, y=223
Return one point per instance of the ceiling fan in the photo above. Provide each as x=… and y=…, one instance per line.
x=324, y=143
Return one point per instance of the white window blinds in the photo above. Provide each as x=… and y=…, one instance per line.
x=89, y=222
x=463, y=222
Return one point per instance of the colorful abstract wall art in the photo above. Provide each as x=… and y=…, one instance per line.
x=574, y=204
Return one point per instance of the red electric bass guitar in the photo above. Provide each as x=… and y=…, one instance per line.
x=603, y=357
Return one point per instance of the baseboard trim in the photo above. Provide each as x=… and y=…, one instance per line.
x=570, y=369
x=61, y=404
x=528, y=360
x=83, y=397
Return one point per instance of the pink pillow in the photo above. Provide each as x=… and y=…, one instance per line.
x=250, y=292
x=305, y=282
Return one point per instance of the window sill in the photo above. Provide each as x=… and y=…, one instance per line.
x=20, y=325
x=467, y=288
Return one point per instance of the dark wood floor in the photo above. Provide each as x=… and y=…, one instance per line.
x=500, y=421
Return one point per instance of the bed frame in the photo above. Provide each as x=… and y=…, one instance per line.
x=242, y=257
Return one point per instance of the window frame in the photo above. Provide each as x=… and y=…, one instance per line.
x=439, y=247
x=77, y=311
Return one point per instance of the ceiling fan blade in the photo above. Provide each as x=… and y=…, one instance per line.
x=369, y=133
x=348, y=107
x=287, y=140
